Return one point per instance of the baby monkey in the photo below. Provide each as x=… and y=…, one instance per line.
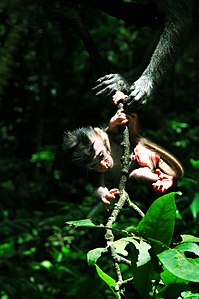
x=100, y=150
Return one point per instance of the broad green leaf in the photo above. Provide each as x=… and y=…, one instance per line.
x=195, y=205
x=108, y=280
x=158, y=223
x=94, y=254
x=189, y=295
x=105, y=277
x=169, y=278
x=120, y=246
x=82, y=222
x=143, y=255
x=189, y=239
x=191, y=247
x=143, y=275
x=178, y=264
x=90, y=224
x=142, y=247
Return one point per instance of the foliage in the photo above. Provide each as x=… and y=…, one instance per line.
x=45, y=88
x=154, y=265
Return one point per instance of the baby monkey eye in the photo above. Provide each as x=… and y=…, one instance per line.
x=101, y=155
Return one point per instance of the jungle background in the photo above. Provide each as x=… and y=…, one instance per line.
x=46, y=81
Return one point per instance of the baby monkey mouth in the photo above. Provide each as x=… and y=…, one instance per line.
x=106, y=164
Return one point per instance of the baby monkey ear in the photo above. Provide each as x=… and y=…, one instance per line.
x=98, y=131
x=104, y=136
x=101, y=133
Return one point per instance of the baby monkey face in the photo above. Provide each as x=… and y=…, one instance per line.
x=102, y=161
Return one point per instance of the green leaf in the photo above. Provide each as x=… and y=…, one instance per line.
x=189, y=239
x=168, y=278
x=143, y=275
x=120, y=246
x=142, y=247
x=82, y=222
x=178, y=126
x=178, y=264
x=195, y=163
x=108, y=280
x=195, y=205
x=158, y=223
x=89, y=223
x=94, y=254
x=46, y=264
x=191, y=247
x=189, y=295
x=47, y=155
x=143, y=255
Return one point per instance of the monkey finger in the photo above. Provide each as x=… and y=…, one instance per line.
x=121, y=120
x=157, y=187
x=121, y=113
x=138, y=95
x=125, y=121
x=101, y=83
x=103, y=92
x=163, y=176
x=99, y=86
x=114, y=191
x=108, y=90
x=106, y=82
x=141, y=99
x=103, y=78
x=119, y=96
x=122, y=117
x=131, y=103
x=158, y=171
x=105, y=201
x=109, y=196
x=109, y=76
x=143, y=102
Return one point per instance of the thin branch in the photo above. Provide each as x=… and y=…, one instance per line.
x=120, y=283
x=134, y=207
x=123, y=198
x=119, y=205
x=122, y=260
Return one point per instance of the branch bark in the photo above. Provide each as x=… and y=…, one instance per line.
x=123, y=198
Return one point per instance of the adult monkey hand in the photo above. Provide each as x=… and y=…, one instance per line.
x=177, y=26
x=139, y=92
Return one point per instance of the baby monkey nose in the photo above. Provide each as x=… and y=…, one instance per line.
x=104, y=164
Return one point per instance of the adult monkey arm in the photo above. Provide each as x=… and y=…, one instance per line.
x=178, y=23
